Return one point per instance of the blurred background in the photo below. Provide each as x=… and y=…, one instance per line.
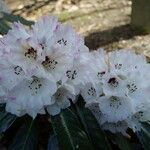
x=103, y=23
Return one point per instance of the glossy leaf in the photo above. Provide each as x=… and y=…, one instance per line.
x=26, y=137
x=53, y=143
x=6, y=120
x=121, y=141
x=4, y=27
x=69, y=131
x=15, y=18
x=96, y=135
x=144, y=135
x=7, y=19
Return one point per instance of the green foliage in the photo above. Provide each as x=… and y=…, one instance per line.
x=92, y=128
x=7, y=19
x=26, y=137
x=53, y=143
x=121, y=141
x=69, y=131
x=6, y=119
x=144, y=136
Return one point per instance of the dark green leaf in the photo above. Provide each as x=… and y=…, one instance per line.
x=7, y=19
x=144, y=136
x=2, y=107
x=26, y=137
x=6, y=120
x=69, y=131
x=121, y=141
x=4, y=27
x=15, y=18
x=53, y=143
x=96, y=135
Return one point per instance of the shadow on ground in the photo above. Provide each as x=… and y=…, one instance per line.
x=98, y=39
x=34, y=6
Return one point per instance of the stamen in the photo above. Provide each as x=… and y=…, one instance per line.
x=101, y=74
x=113, y=82
x=91, y=91
x=71, y=74
x=139, y=115
x=18, y=70
x=132, y=87
x=118, y=66
x=49, y=63
x=62, y=41
x=31, y=53
x=35, y=85
x=115, y=102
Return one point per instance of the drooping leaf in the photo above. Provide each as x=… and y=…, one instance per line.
x=26, y=137
x=16, y=18
x=6, y=120
x=4, y=27
x=121, y=141
x=91, y=126
x=7, y=19
x=69, y=131
x=144, y=135
x=53, y=143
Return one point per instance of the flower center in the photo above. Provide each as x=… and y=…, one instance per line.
x=101, y=74
x=49, y=63
x=18, y=70
x=115, y=102
x=31, y=53
x=118, y=66
x=139, y=115
x=35, y=85
x=71, y=74
x=132, y=87
x=91, y=91
x=62, y=41
x=113, y=82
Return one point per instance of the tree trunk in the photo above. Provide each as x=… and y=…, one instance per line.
x=140, y=16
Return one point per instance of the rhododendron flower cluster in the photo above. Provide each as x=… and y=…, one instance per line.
x=119, y=95
x=44, y=67
x=40, y=67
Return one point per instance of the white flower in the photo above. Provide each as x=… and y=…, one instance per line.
x=61, y=99
x=138, y=91
x=125, y=61
x=43, y=29
x=91, y=92
x=114, y=127
x=135, y=122
x=20, y=111
x=18, y=31
x=79, y=74
x=26, y=55
x=114, y=85
x=116, y=108
x=57, y=62
x=125, y=88
x=42, y=33
x=99, y=65
x=64, y=38
x=31, y=94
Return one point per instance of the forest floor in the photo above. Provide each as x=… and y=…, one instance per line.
x=103, y=23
